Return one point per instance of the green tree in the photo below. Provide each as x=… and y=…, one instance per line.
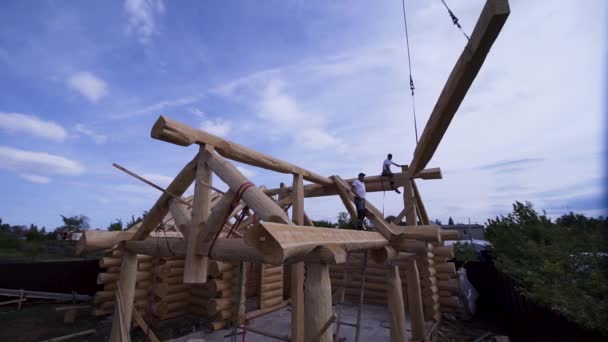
x=450, y=221
x=73, y=223
x=345, y=221
x=115, y=226
x=464, y=251
x=558, y=264
x=324, y=223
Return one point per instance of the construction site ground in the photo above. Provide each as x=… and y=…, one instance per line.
x=38, y=321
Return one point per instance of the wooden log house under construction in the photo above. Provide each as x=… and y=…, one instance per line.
x=205, y=255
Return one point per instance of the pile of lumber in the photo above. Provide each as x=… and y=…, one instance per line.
x=110, y=262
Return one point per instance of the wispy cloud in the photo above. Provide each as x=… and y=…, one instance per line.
x=510, y=164
x=29, y=124
x=217, y=126
x=35, y=178
x=155, y=108
x=32, y=162
x=88, y=85
x=142, y=16
x=97, y=138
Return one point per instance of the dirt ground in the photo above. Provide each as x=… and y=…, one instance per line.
x=38, y=321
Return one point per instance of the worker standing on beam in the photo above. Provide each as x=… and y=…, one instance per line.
x=358, y=189
x=386, y=171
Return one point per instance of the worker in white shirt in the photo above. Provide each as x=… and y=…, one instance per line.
x=386, y=171
x=358, y=189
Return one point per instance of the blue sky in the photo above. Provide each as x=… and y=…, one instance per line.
x=320, y=84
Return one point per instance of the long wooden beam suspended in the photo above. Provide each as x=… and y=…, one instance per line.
x=489, y=24
x=180, y=134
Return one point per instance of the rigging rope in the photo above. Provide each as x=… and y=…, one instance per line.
x=409, y=65
x=455, y=20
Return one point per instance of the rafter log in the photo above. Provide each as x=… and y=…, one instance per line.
x=489, y=25
x=177, y=187
x=180, y=134
x=344, y=196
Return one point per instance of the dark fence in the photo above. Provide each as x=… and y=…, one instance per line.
x=500, y=302
x=62, y=277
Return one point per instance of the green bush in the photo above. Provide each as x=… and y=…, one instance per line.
x=559, y=264
x=464, y=251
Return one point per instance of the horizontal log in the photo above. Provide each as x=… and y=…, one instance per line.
x=271, y=286
x=104, y=296
x=412, y=246
x=270, y=302
x=177, y=133
x=200, y=302
x=103, y=278
x=215, y=305
x=281, y=242
x=428, y=233
x=444, y=276
x=106, y=262
x=444, y=293
x=446, y=268
x=372, y=184
x=272, y=293
x=96, y=240
x=448, y=285
x=162, y=308
x=273, y=272
x=113, y=269
x=453, y=301
x=197, y=310
x=215, y=267
x=165, y=289
x=444, y=251
x=259, y=312
x=144, y=266
x=448, y=234
x=215, y=285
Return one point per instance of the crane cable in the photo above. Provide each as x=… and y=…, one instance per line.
x=455, y=20
x=409, y=65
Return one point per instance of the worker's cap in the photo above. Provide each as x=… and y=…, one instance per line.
x=361, y=174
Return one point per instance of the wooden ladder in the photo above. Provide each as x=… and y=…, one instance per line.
x=361, y=297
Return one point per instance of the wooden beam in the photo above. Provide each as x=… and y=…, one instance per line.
x=195, y=266
x=373, y=214
x=257, y=200
x=489, y=24
x=395, y=305
x=414, y=298
x=96, y=240
x=179, y=185
x=344, y=196
x=178, y=133
x=317, y=303
x=144, y=326
x=126, y=288
x=296, y=290
x=372, y=184
x=424, y=217
x=181, y=216
x=281, y=243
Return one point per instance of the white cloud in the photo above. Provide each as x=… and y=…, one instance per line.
x=35, y=178
x=156, y=107
x=97, y=138
x=29, y=124
x=142, y=17
x=89, y=85
x=31, y=162
x=197, y=112
x=219, y=127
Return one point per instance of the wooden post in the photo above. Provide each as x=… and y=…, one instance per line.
x=395, y=305
x=195, y=267
x=297, y=270
x=317, y=299
x=344, y=196
x=409, y=202
x=126, y=283
x=414, y=297
x=424, y=217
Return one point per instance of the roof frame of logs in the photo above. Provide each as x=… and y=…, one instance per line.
x=270, y=236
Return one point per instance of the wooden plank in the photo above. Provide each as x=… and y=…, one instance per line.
x=126, y=290
x=177, y=187
x=177, y=133
x=70, y=336
x=14, y=301
x=144, y=326
x=489, y=24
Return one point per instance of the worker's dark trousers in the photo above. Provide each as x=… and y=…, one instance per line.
x=390, y=176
